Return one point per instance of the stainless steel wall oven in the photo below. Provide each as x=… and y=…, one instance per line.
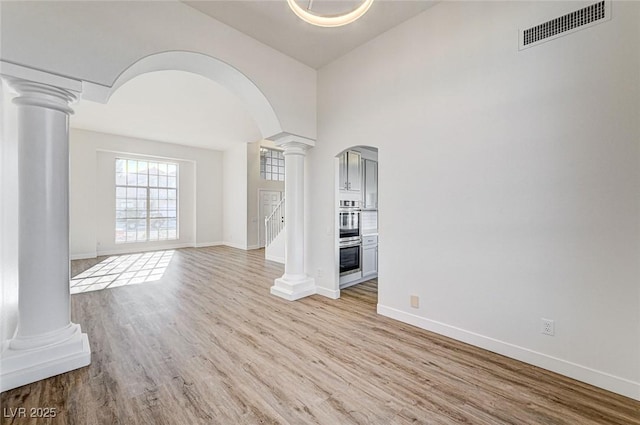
x=350, y=257
x=349, y=218
x=350, y=237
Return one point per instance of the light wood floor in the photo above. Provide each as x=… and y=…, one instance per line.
x=207, y=344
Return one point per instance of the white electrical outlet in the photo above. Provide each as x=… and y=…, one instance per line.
x=320, y=274
x=548, y=327
x=415, y=301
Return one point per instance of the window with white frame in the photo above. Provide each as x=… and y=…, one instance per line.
x=271, y=164
x=146, y=200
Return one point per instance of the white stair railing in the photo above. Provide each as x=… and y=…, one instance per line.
x=274, y=224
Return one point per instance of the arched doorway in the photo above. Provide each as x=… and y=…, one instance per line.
x=214, y=69
x=357, y=218
x=238, y=86
x=52, y=343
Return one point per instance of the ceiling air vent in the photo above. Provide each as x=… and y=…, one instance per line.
x=571, y=22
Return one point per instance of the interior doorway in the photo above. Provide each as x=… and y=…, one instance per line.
x=357, y=220
x=268, y=200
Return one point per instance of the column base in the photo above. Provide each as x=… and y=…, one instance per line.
x=23, y=366
x=292, y=290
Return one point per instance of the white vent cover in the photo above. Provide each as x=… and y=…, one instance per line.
x=567, y=24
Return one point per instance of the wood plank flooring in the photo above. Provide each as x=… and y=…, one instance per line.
x=207, y=344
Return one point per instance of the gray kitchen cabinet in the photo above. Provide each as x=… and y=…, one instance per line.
x=350, y=171
x=369, y=256
x=369, y=261
x=370, y=184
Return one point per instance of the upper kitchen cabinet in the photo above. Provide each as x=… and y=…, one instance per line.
x=370, y=184
x=350, y=172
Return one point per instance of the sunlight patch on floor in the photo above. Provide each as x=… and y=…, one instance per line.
x=121, y=270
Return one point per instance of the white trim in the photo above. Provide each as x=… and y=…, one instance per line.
x=235, y=245
x=83, y=255
x=250, y=247
x=137, y=248
x=336, y=224
x=594, y=377
x=206, y=244
x=133, y=250
x=206, y=66
x=274, y=258
x=334, y=294
x=283, y=138
x=38, y=76
x=94, y=254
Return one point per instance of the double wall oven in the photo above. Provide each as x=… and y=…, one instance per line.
x=350, y=218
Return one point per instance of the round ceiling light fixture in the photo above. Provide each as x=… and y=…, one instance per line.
x=330, y=20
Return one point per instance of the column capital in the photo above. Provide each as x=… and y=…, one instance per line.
x=31, y=93
x=288, y=140
x=294, y=148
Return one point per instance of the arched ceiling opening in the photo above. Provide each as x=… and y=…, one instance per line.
x=171, y=106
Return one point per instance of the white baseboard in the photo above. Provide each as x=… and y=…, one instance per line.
x=135, y=249
x=206, y=244
x=94, y=254
x=83, y=256
x=334, y=294
x=132, y=250
x=235, y=245
x=274, y=258
x=594, y=377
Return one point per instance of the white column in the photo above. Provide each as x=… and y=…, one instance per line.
x=295, y=283
x=46, y=342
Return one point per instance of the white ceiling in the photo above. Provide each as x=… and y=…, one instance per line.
x=171, y=106
x=274, y=24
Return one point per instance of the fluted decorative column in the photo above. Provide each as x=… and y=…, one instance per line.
x=295, y=283
x=46, y=343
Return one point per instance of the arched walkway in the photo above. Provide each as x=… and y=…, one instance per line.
x=356, y=203
x=214, y=69
x=46, y=342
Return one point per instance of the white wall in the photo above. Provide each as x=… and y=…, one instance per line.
x=509, y=181
x=235, y=196
x=96, y=41
x=92, y=213
x=8, y=217
x=83, y=194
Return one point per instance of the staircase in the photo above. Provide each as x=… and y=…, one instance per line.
x=274, y=238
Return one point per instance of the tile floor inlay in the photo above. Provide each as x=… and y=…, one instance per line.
x=121, y=270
